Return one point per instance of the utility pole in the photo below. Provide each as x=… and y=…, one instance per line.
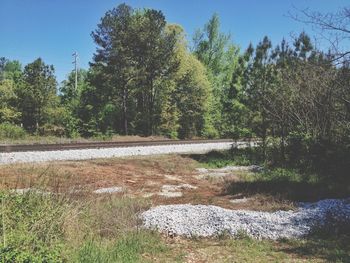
x=75, y=62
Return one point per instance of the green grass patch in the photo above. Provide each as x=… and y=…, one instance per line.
x=54, y=228
x=127, y=248
x=219, y=159
x=287, y=184
x=313, y=249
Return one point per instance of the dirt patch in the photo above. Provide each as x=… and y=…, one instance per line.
x=145, y=177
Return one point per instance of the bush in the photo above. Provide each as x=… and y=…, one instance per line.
x=11, y=131
x=329, y=159
x=52, y=130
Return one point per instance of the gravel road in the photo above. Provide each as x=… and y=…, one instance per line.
x=204, y=221
x=38, y=156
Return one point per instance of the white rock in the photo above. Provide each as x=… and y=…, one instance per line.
x=202, y=170
x=240, y=200
x=109, y=190
x=170, y=194
x=169, y=190
x=147, y=195
x=29, y=190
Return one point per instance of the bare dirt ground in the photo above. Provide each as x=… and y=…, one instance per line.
x=161, y=179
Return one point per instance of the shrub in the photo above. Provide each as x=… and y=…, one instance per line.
x=11, y=131
x=52, y=130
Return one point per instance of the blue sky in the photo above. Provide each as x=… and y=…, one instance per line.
x=54, y=29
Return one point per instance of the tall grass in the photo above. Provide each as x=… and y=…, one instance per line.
x=57, y=228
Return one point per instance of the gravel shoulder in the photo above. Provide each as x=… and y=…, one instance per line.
x=86, y=154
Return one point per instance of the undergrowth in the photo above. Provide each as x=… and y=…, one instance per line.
x=53, y=228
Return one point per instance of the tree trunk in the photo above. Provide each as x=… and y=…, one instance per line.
x=283, y=139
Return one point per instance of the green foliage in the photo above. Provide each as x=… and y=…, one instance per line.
x=137, y=52
x=219, y=159
x=215, y=50
x=128, y=248
x=329, y=159
x=11, y=131
x=8, y=97
x=36, y=94
x=31, y=228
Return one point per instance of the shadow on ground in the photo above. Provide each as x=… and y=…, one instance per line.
x=336, y=249
x=285, y=189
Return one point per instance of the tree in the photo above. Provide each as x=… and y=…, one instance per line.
x=10, y=78
x=220, y=56
x=37, y=93
x=70, y=99
x=8, y=111
x=260, y=81
x=333, y=27
x=154, y=53
x=135, y=53
x=113, y=60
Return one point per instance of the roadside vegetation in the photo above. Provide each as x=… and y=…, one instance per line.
x=146, y=80
x=58, y=222
x=49, y=228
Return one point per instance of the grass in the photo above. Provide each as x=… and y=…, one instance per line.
x=64, y=227
x=219, y=159
x=127, y=248
x=54, y=228
x=245, y=249
x=280, y=184
x=288, y=185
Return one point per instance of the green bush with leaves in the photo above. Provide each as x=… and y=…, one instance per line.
x=11, y=131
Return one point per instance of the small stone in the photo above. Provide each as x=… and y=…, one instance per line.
x=170, y=194
x=109, y=190
x=240, y=200
x=147, y=195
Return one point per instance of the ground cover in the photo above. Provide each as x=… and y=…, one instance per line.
x=58, y=217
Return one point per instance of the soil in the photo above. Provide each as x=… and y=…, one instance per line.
x=141, y=177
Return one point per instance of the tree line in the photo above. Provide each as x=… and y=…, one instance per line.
x=146, y=79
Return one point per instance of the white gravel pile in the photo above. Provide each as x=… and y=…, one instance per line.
x=204, y=221
x=44, y=156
